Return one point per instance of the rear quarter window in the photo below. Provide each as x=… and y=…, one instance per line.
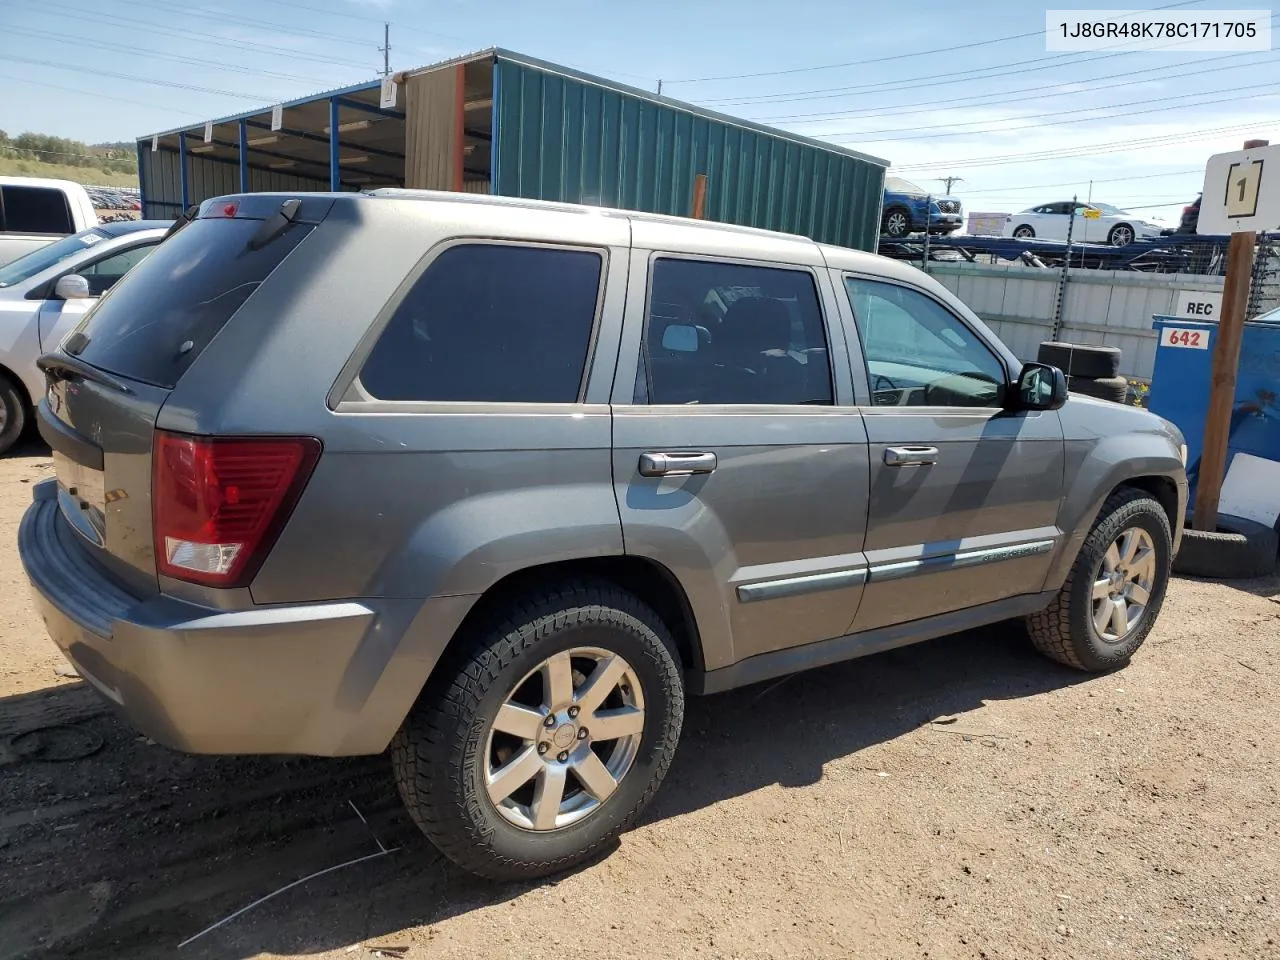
x=491, y=322
x=153, y=324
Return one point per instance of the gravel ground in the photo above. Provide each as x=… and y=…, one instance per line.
x=962, y=798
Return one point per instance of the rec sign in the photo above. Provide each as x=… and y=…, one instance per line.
x=1198, y=305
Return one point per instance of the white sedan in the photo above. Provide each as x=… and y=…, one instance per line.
x=1094, y=223
x=44, y=294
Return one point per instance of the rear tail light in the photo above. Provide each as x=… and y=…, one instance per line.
x=219, y=503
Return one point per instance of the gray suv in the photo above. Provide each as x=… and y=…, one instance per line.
x=496, y=484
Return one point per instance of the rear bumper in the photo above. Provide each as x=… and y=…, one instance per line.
x=326, y=679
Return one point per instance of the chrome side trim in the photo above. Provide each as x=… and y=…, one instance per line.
x=951, y=561
x=792, y=586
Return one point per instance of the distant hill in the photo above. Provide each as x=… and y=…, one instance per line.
x=42, y=155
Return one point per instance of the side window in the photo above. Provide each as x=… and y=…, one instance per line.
x=36, y=210
x=918, y=353
x=491, y=323
x=105, y=273
x=735, y=334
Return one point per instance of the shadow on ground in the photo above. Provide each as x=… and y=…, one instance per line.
x=131, y=849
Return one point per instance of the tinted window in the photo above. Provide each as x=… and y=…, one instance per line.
x=729, y=333
x=35, y=210
x=490, y=323
x=106, y=273
x=153, y=324
x=919, y=353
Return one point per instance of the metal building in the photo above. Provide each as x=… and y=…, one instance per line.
x=503, y=123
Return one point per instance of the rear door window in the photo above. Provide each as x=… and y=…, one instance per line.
x=491, y=323
x=153, y=324
x=36, y=210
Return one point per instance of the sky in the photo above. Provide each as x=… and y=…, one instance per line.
x=937, y=88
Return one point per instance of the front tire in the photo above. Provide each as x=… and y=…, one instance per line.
x=1023, y=232
x=897, y=223
x=1121, y=235
x=493, y=763
x=1115, y=588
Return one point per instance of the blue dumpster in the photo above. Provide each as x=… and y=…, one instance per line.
x=1180, y=386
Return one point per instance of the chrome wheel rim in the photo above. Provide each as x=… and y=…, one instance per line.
x=1022, y=233
x=897, y=224
x=1122, y=237
x=1123, y=583
x=563, y=739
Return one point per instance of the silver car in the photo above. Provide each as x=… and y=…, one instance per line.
x=44, y=294
x=496, y=484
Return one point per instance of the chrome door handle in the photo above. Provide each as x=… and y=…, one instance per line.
x=910, y=456
x=676, y=464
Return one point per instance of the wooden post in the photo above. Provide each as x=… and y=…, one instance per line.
x=699, y=196
x=1222, y=383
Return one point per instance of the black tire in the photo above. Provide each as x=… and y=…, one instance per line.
x=13, y=413
x=1115, y=389
x=440, y=754
x=1117, y=233
x=896, y=223
x=1080, y=359
x=1065, y=630
x=1238, y=549
x=1024, y=232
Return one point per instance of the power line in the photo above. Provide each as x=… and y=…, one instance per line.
x=904, y=56
x=215, y=14
x=142, y=51
x=1101, y=149
x=91, y=93
x=889, y=86
x=988, y=126
x=1060, y=185
x=204, y=38
x=154, y=81
x=1013, y=96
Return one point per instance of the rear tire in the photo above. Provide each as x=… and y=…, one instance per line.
x=13, y=413
x=896, y=223
x=1069, y=629
x=455, y=755
x=1023, y=232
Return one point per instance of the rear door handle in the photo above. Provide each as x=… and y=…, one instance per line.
x=676, y=464
x=910, y=456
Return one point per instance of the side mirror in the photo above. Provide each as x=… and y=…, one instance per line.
x=72, y=287
x=1040, y=387
x=680, y=338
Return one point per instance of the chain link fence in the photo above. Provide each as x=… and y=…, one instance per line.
x=1264, y=286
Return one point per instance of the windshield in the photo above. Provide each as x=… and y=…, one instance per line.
x=1108, y=209
x=26, y=267
x=898, y=185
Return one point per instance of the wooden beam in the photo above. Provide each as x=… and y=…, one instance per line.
x=1222, y=381
x=699, y=197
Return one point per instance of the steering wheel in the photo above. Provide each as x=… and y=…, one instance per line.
x=879, y=377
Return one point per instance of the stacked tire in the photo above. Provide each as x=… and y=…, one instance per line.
x=1090, y=369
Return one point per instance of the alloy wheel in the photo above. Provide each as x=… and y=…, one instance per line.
x=1123, y=583
x=1121, y=236
x=896, y=225
x=564, y=738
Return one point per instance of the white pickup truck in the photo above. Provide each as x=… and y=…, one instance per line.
x=35, y=211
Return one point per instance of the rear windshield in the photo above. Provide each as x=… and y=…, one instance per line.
x=154, y=323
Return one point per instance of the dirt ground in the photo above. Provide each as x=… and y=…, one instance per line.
x=963, y=798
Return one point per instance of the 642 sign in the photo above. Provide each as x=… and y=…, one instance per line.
x=1241, y=192
x=1186, y=337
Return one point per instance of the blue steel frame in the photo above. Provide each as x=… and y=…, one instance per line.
x=244, y=157
x=142, y=184
x=182, y=170
x=335, y=170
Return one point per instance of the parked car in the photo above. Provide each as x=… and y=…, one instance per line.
x=1094, y=223
x=36, y=211
x=496, y=483
x=44, y=294
x=907, y=209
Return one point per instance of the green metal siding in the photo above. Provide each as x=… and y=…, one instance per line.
x=560, y=138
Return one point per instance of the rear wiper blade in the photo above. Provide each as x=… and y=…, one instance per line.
x=58, y=365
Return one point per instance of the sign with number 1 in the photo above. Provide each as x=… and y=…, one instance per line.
x=1241, y=192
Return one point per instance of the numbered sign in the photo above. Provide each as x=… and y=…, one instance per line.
x=1186, y=337
x=1092, y=213
x=1241, y=192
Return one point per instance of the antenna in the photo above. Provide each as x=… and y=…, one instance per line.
x=386, y=49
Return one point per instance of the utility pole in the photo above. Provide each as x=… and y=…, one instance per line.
x=386, y=49
x=949, y=181
x=1222, y=381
